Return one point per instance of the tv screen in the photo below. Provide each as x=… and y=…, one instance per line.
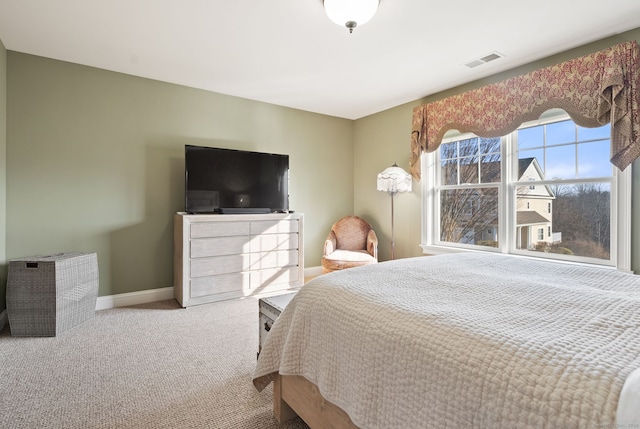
x=235, y=181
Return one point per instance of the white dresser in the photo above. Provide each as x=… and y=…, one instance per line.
x=219, y=257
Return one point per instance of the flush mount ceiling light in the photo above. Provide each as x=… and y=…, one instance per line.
x=350, y=13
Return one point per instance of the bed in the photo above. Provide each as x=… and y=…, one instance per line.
x=475, y=340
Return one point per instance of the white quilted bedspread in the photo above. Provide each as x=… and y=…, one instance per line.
x=463, y=341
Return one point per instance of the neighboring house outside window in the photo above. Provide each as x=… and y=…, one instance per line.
x=532, y=219
x=559, y=179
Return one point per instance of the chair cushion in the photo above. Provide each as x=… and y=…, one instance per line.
x=341, y=259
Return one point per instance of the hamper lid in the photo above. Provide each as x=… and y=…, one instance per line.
x=50, y=258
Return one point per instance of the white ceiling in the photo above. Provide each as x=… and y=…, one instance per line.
x=287, y=52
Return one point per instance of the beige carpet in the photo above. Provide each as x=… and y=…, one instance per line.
x=150, y=366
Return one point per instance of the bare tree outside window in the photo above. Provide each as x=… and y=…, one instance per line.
x=470, y=215
x=583, y=213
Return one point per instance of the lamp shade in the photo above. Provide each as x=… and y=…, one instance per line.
x=350, y=13
x=393, y=180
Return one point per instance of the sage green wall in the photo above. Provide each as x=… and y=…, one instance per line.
x=3, y=175
x=384, y=138
x=381, y=140
x=96, y=164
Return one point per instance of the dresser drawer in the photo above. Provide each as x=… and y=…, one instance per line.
x=212, y=285
x=274, y=226
x=212, y=266
x=270, y=242
x=219, y=246
x=279, y=258
x=219, y=229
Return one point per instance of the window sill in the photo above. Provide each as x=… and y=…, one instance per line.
x=434, y=249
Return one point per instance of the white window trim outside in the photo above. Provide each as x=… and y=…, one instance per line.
x=620, y=253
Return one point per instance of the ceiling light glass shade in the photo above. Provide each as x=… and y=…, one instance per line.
x=393, y=180
x=350, y=13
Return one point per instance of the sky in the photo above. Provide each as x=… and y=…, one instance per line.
x=566, y=159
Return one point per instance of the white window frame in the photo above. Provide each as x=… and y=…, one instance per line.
x=620, y=251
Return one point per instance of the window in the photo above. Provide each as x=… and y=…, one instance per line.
x=470, y=172
x=550, y=174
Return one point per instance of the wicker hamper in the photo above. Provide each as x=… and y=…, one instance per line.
x=47, y=295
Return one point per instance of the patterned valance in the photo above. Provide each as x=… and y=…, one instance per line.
x=594, y=90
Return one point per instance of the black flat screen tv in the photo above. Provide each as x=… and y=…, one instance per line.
x=235, y=181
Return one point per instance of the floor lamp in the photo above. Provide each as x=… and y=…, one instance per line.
x=392, y=181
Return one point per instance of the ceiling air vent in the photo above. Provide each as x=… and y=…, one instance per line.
x=483, y=60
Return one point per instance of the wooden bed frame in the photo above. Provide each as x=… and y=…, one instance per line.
x=294, y=395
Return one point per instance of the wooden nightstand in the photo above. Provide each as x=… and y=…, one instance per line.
x=270, y=309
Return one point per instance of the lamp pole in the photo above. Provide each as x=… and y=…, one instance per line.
x=393, y=180
x=393, y=241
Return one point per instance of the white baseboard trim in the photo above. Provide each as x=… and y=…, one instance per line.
x=133, y=298
x=4, y=319
x=312, y=271
x=152, y=295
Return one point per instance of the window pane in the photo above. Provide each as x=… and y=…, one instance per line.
x=530, y=165
x=593, y=159
x=449, y=171
x=560, y=132
x=469, y=216
x=603, y=132
x=530, y=137
x=490, y=145
x=469, y=169
x=560, y=162
x=490, y=168
x=468, y=147
x=579, y=224
x=459, y=161
x=449, y=150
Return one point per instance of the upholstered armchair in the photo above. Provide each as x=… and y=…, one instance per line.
x=351, y=243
